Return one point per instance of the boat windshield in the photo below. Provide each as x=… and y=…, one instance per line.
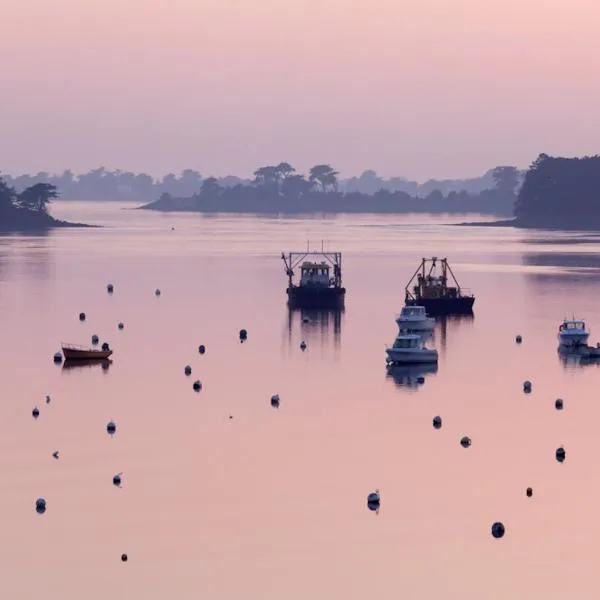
x=413, y=311
x=573, y=326
x=406, y=342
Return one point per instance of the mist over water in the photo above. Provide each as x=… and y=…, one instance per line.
x=271, y=503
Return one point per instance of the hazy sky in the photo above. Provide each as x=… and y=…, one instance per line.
x=421, y=88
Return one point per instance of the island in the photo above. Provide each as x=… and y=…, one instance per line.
x=281, y=190
x=27, y=211
x=557, y=193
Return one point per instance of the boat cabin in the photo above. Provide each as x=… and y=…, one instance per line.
x=572, y=326
x=314, y=274
x=413, y=312
x=407, y=342
x=430, y=286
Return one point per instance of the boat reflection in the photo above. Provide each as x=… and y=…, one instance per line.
x=316, y=326
x=452, y=322
x=71, y=364
x=572, y=359
x=410, y=376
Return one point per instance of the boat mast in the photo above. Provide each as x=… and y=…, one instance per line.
x=447, y=266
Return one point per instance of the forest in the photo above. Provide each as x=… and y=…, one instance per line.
x=560, y=193
x=280, y=189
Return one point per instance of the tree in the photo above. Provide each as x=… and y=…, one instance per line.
x=325, y=176
x=295, y=186
x=37, y=197
x=506, y=179
x=7, y=195
x=267, y=177
x=210, y=188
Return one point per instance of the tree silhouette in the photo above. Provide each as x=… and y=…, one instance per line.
x=210, y=188
x=295, y=186
x=506, y=179
x=37, y=197
x=325, y=176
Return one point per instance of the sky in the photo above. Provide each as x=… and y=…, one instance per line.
x=422, y=89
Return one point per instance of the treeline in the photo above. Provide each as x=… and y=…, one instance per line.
x=103, y=184
x=280, y=189
x=560, y=193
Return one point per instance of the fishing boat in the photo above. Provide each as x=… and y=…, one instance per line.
x=414, y=318
x=320, y=285
x=572, y=333
x=75, y=352
x=410, y=349
x=432, y=291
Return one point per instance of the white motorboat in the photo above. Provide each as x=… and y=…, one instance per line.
x=572, y=333
x=410, y=349
x=414, y=318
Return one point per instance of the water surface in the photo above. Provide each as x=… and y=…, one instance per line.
x=271, y=503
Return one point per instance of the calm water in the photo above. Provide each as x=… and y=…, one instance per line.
x=271, y=504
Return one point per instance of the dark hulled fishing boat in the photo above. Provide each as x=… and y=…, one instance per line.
x=430, y=288
x=320, y=285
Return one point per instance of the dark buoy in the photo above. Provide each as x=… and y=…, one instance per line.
x=275, y=401
x=529, y=492
x=110, y=288
x=55, y=454
x=243, y=335
x=58, y=358
x=527, y=387
x=111, y=428
x=117, y=479
x=518, y=339
x=48, y=399
x=187, y=370
x=197, y=385
x=303, y=346
x=201, y=349
x=82, y=316
x=498, y=530
x=95, y=339
x=437, y=422
x=35, y=412
x=40, y=506
x=124, y=557
x=558, y=404
x=157, y=292
x=465, y=442
x=560, y=454
x=374, y=500
x=105, y=347
x=120, y=325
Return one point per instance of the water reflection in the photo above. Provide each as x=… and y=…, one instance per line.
x=315, y=326
x=410, y=376
x=452, y=323
x=563, y=267
x=28, y=250
x=90, y=363
x=573, y=360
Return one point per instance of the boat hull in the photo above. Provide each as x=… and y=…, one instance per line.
x=437, y=307
x=404, y=356
x=87, y=355
x=313, y=297
x=573, y=340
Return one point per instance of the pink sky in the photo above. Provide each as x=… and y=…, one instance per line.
x=428, y=88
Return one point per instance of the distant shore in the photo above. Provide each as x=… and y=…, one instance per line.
x=28, y=221
x=517, y=224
